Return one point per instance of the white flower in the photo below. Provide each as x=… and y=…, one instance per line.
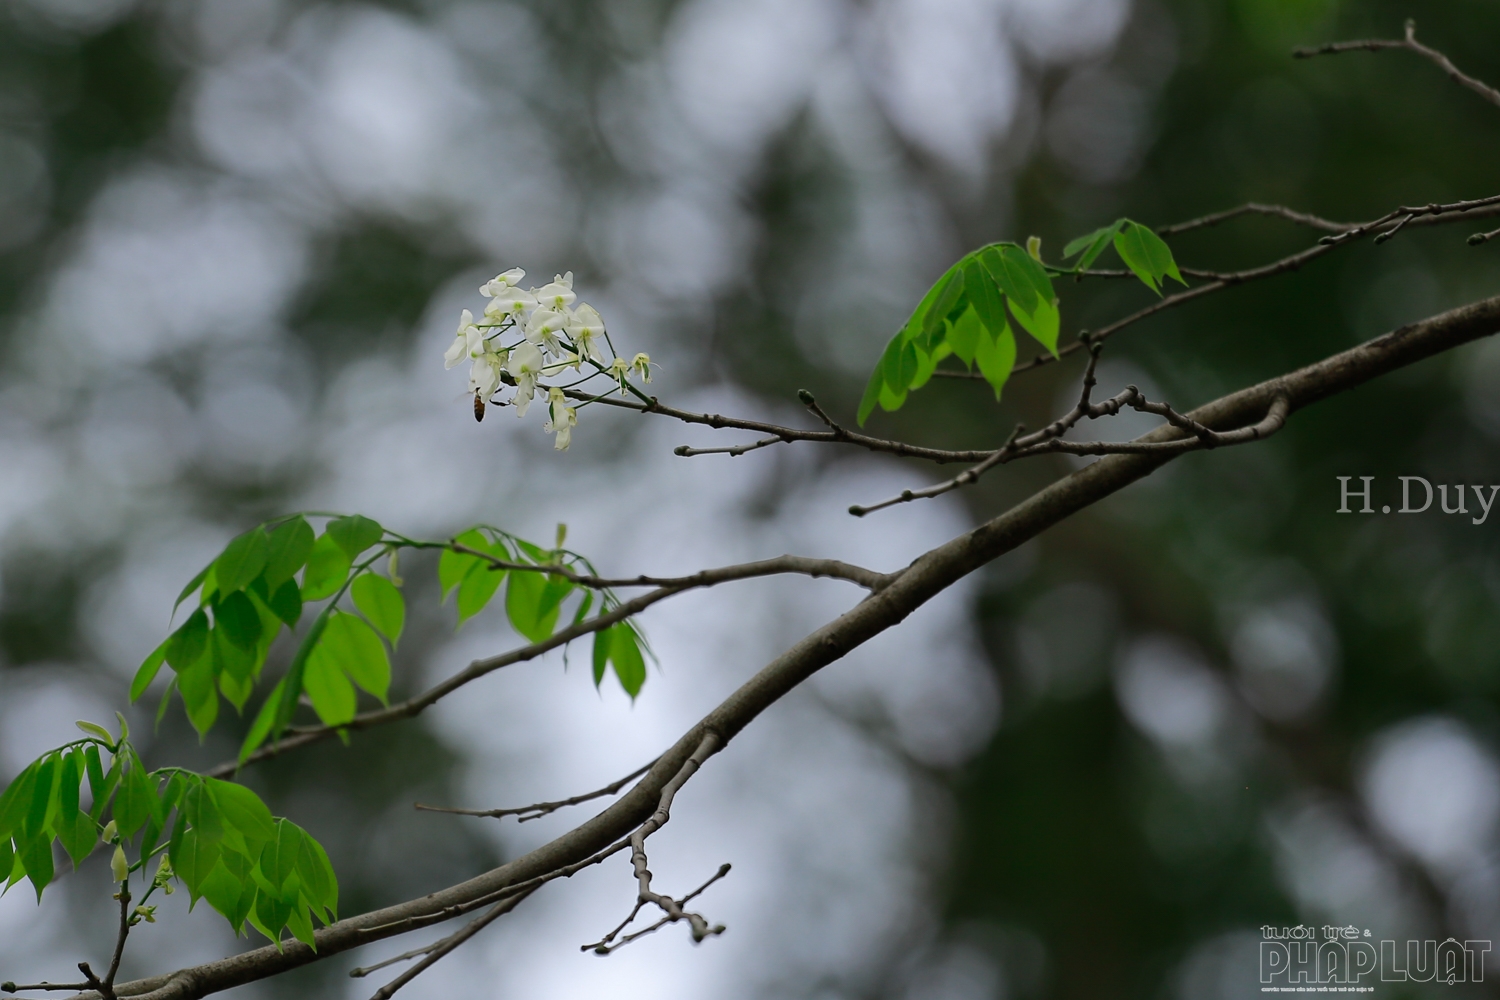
x=563, y=418
x=586, y=330
x=502, y=281
x=642, y=365
x=508, y=302
x=484, y=377
x=619, y=369
x=559, y=294
x=466, y=343
x=544, y=326
x=524, y=364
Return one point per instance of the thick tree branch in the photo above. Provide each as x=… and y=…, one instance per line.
x=926, y=577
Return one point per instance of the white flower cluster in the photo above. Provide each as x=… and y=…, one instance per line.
x=555, y=335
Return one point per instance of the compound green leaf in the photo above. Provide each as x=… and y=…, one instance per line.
x=877, y=378
x=1146, y=254
x=244, y=813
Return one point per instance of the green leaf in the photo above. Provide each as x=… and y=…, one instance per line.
x=148, y=670
x=625, y=653
x=36, y=860
x=97, y=731
x=235, y=689
x=453, y=566
x=319, y=886
x=43, y=805
x=243, y=813
x=527, y=606
x=278, y=859
x=935, y=309
x=75, y=830
x=1028, y=291
x=877, y=377
x=101, y=784
x=985, y=299
x=95, y=771
x=161, y=811
x=963, y=336
x=241, y=561
x=358, y=652
x=354, y=533
x=236, y=618
x=200, y=695
x=187, y=645
x=193, y=585
x=135, y=800
x=379, y=600
x=193, y=858
x=1092, y=244
x=328, y=686
x=327, y=568
x=202, y=809
x=287, y=552
x=229, y=893
x=286, y=603
x=15, y=802
x=601, y=653
x=1146, y=254
x=996, y=357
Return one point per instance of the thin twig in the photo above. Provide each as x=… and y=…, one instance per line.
x=540, y=809
x=362, y=971
x=14, y=988
x=733, y=451
x=673, y=908
x=1411, y=44
x=1252, y=208
x=448, y=944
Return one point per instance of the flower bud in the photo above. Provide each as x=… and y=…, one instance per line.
x=119, y=867
x=110, y=832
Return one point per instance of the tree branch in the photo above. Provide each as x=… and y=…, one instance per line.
x=541, y=809
x=1411, y=44
x=927, y=576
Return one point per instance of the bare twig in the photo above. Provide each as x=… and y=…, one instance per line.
x=540, y=809
x=362, y=971
x=1252, y=208
x=673, y=908
x=816, y=568
x=9, y=987
x=438, y=950
x=733, y=451
x=1410, y=43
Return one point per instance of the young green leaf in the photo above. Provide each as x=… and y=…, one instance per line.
x=200, y=696
x=328, y=686
x=36, y=859
x=193, y=585
x=286, y=603
x=97, y=731
x=319, y=884
x=230, y=894
x=354, y=534
x=135, y=799
x=43, y=805
x=248, y=824
x=1092, y=244
x=327, y=568
x=527, y=605
x=1146, y=254
x=453, y=566
x=996, y=356
x=193, y=858
x=379, y=600
x=74, y=829
x=290, y=545
x=15, y=802
x=358, y=652
x=148, y=670
x=601, y=653
x=241, y=561
x=876, y=385
x=237, y=619
x=188, y=644
x=625, y=653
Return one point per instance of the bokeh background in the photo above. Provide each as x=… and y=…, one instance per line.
x=234, y=239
